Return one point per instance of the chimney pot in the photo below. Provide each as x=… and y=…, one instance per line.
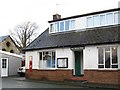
x=56, y=17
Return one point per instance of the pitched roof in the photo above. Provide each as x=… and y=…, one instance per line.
x=3, y=38
x=100, y=35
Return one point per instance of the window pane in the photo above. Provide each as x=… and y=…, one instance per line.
x=114, y=66
x=53, y=59
x=116, y=17
x=52, y=28
x=40, y=61
x=100, y=66
x=96, y=20
x=102, y=19
x=57, y=27
x=67, y=25
x=109, y=18
x=114, y=55
x=61, y=26
x=100, y=56
x=72, y=24
x=107, y=57
x=89, y=21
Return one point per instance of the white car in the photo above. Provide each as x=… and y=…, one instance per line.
x=21, y=71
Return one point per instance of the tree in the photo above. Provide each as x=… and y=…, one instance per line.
x=24, y=33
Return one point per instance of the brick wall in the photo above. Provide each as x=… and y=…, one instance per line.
x=103, y=76
x=53, y=75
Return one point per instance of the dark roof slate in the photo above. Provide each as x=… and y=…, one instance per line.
x=93, y=36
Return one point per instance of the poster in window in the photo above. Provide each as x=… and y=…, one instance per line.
x=62, y=62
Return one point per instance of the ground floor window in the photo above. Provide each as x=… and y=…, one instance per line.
x=107, y=57
x=47, y=59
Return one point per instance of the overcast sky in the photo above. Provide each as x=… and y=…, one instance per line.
x=14, y=12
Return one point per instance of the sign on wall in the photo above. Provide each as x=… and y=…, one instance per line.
x=62, y=62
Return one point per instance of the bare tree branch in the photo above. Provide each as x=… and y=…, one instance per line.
x=24, y=34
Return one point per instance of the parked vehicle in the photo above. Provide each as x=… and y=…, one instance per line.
x=21, y=71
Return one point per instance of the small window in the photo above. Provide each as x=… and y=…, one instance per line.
x=8, y=44
x=89, y=21
x=72, y=24
x=96, y=20
x=3, y=49
x=57, y=27
x=11, y=51
x=116, y=17
x=61, y=26
x=52, y=28
x=109, y=18
x=102, y=19
x=67, y=25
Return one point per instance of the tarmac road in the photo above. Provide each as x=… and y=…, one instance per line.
x=20, y=83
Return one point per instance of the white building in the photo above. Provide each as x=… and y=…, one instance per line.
x=85, y=47
x=9, y=63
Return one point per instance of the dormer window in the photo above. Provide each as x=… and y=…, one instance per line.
x=67, y=25
x=61, y=26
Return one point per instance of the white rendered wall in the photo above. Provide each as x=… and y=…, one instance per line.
x=35, y=60
x=60, y=53
x=90, y=56
x=66, y=52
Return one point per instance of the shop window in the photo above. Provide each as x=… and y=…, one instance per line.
x=47, y=60
x=107, y=57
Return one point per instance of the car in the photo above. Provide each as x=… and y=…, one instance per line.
x=21, y=71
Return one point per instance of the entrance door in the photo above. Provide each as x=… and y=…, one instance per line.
x=78, y=65
x=4, y=67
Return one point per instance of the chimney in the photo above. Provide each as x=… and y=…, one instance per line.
x=56, y=16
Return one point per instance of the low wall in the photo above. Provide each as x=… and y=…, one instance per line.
x=103, y=76
x=53, y=75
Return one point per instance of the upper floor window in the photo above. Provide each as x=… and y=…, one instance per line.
x=116, y=17
x=52, y=28
x=89, y=21
x=57, y=26
x=62, y=26
x=107, y=57
x=109, y=18
x=67, y=23
x=72, y=24
x=102, y=19
x=96, y=20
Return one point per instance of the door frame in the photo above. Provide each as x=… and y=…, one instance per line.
x=6, y=67
x=81, y=63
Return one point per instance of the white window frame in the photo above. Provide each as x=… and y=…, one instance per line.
x=70, y=29
x=110, y=58
x=42, y=67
